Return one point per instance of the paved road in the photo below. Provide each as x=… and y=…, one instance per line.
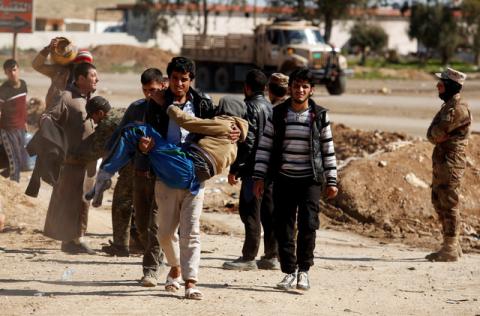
x=408, y=114
x=408, y=107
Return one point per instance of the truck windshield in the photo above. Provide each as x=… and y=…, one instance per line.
x=304, y=36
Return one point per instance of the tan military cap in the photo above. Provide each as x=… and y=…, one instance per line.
x=279, y=79
x=452, y=74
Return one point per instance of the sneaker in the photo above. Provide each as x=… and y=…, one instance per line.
x=268, y=264
x=115, y=250
x=287, y=282
x=74, y=248
x=149, y=279
x=302, y=282
x=240, y=264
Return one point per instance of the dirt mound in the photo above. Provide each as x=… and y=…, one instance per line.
x=19, y=209
x=390, y=193
x=118, y=58
x=357, y=143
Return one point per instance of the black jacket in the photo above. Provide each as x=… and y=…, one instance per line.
x=158, y=118
x=50, y=146
x=279, y=118
x=259, y=110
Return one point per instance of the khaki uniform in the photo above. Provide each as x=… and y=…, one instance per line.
x=452, y=123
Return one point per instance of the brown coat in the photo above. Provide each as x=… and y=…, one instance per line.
x=58, y=74
x=67, y=214
x=216, y=130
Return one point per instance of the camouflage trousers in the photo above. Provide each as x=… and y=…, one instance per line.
x=144, y=203
x=448, y=170
x=122, y=206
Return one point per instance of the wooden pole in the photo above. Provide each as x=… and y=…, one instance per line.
x=254, y=13
x=14, y=47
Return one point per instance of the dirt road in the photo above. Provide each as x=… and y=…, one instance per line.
x=352, y=276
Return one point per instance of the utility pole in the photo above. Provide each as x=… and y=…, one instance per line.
x=14, y=46
x=254, y=13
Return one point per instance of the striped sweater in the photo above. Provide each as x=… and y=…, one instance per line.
x=296, y=156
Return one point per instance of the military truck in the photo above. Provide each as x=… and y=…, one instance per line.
x=280, y=46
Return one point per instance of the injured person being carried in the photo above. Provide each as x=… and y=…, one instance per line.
x=208, y=151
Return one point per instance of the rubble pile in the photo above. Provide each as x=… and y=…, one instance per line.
x=119, y=57
x=388, y=195
x=358, y=143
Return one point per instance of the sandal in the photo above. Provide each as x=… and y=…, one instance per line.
x=172, y=284
x=193, y=293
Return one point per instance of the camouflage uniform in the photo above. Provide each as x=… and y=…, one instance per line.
x=122, y=209
x=452, y=123
x=96, y=144
x=122, y=202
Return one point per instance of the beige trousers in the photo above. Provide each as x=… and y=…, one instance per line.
x=179, y=227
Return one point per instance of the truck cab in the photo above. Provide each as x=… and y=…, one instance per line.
x=281, y=46
x=287, y=45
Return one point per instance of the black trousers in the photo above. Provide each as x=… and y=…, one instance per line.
x=256, y=213
x=290, y=195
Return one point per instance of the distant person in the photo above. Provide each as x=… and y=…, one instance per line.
x=297, y=151
x=13, y=118
x=255, y=212
x=67, y=214
x=277, y=88
x=64, y=56
x=449, y=132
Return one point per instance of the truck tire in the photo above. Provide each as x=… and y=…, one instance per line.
x=222, y=79
x=203, y=78
x=337, y=86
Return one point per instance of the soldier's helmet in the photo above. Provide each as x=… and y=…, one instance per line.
x=452, y=74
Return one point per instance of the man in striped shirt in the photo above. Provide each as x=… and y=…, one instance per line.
x=13, y=119
x=297, y=152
